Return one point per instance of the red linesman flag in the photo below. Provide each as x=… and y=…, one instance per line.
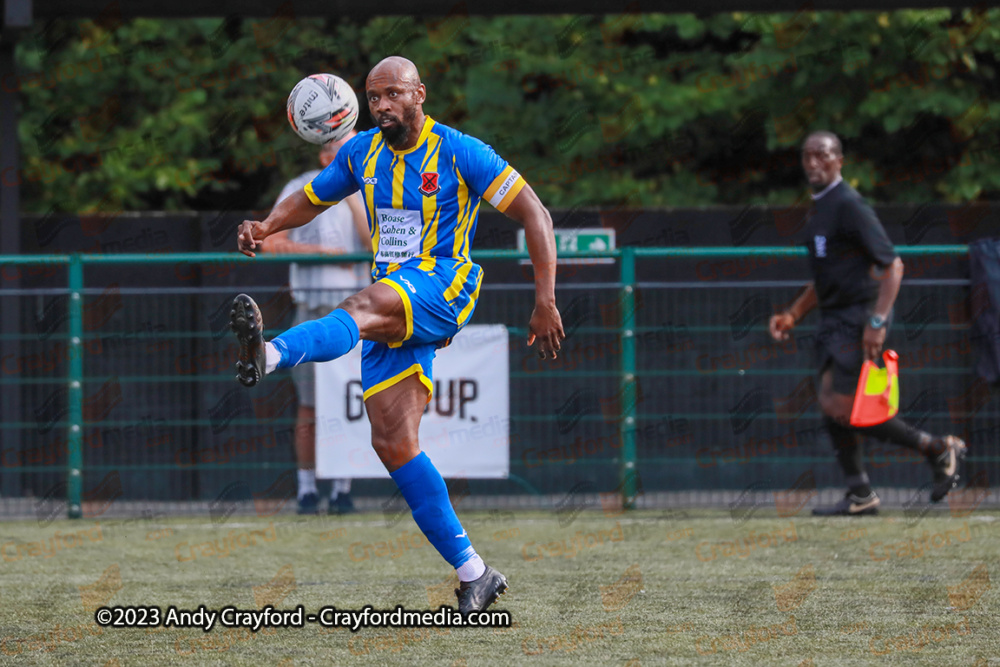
x=877, y=398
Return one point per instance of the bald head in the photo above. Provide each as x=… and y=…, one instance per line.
x=395, y=100
x=396, y=68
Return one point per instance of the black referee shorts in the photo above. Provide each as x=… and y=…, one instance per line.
x=839, y=346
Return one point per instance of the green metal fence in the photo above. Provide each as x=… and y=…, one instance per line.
x=623, y=371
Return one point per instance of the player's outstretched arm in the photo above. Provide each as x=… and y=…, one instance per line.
x=292, y=211
x=546, y=324
x=782, y=323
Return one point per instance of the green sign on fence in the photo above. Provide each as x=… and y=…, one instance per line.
x=578, y=240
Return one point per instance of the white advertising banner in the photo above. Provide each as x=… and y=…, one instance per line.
x=465, y=429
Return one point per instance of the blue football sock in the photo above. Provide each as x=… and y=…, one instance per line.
x=318, y=340
x=425, y=492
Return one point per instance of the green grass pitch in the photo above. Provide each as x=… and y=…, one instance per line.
x=663, y=587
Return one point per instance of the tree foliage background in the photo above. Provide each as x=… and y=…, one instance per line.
x=628, y=109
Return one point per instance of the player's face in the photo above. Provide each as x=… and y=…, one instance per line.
x=393, y=102
x=821, y=162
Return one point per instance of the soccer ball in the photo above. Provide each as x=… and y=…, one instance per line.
x=322, y=108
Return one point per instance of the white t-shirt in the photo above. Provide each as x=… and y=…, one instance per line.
x=333, y=228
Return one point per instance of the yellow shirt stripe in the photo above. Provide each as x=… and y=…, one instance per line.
x=463, y=203
x=429, y=261
x=398, y=172
x=398, y=167
x=464, y=315
x=461, y=276
x=314, y=199
x=465, y=232
x=431, y=212
x=376, y=144
x=371, y=160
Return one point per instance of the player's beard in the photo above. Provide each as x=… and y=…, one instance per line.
x=397, y=135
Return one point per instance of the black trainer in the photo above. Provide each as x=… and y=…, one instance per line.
x=342, y=504
x=946, y=466
x=246, y=322
x=308, y=504
x=851, y=505
x=478, y=595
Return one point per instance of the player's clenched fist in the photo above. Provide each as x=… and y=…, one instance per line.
x=250, y=235
x=780, y=325
x=546, y=326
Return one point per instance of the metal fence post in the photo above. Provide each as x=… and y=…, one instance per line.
x=628, y=392
x=74, y=397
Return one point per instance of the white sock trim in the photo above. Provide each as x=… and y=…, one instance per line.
x=471, y=569
x=307, y=481
x=273, y=357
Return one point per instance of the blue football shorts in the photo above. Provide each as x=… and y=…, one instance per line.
x=437, y=307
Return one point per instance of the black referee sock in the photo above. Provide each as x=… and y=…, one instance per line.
x=849, y=456
x=900, y=433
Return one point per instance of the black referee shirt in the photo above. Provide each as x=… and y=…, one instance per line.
x=844, y=238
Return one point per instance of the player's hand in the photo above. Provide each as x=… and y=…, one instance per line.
x=780, y=325
x=249, y=236
x=872, y=342
x=546, y=326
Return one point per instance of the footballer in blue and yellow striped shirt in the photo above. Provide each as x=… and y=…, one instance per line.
x=422, y=184
x=422, y=203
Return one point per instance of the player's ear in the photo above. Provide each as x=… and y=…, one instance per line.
x=421, y=94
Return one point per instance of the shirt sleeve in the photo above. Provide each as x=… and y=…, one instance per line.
x=335, y=182
x=859, y=218
x=488, y=174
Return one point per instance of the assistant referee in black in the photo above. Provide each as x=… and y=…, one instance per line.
x=856, y=277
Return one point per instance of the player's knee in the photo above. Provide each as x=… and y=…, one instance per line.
x=380, y=443
x=394, y=452
x=390, y=437
x=356, y=304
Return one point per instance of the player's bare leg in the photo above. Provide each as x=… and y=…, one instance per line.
x=395, y=415
x=377, y=314
x=305, y=437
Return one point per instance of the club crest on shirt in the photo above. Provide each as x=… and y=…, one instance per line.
x=429, y=183
x=820, y=242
